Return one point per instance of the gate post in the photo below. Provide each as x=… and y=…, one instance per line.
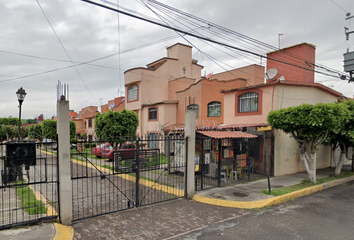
x=190, y=135
x=65, y=186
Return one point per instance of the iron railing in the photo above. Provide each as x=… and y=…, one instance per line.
x=28, y=184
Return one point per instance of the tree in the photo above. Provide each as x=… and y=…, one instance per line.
x=310, y=125
x=8, y=128
x=7, y=132
x=49, y=129
x=72, y=127
x=342, y=139
x=112, y=126
x=9, y=121
x=35, y=131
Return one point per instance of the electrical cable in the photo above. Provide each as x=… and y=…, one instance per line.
x=198, y=36
x=67, y=54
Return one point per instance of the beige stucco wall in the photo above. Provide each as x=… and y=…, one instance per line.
x=254, y=74
x=166, y=116
x=290, y=95
x=158, y=84
x=179, y=85
x=287, y=155
x=231, y=117
x=286, y=149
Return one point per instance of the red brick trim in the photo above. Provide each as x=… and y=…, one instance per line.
x=260, y=102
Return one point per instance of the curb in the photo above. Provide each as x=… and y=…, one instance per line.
x=271, y=201
x=63, y=232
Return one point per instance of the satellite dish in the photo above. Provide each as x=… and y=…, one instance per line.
x=271, y=73
x=209, y=75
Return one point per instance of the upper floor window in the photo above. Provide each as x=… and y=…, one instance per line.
x=194, y=107
x=214, y=109
x=132, y=93
x=153, y=113
x=90, y=123
x=248, y=102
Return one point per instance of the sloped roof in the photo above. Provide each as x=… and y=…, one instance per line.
x=225, y=134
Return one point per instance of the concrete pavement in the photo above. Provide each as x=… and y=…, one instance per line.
x=156, y=221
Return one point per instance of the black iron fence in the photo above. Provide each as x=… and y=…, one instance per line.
x=221, y=162
x=28, y=184
x=119, y=174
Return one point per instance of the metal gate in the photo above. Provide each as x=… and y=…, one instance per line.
x=222, y=162
x=139, y=173
x=28, y=184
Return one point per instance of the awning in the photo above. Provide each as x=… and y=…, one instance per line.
x=225, y=134
x=82, y=130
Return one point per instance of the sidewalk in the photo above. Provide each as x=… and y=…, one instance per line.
x=249, y=196
x=245, y=196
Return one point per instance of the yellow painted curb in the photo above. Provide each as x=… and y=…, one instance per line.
x=63, y=232
x=160, y=187
x=270, y=201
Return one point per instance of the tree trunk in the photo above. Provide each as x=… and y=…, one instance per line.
x=313, y=166
x=353, y=159
x=342, y=158
x=309, y=162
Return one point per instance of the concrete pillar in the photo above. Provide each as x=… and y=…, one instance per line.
x=65, y=186
x=190, y=135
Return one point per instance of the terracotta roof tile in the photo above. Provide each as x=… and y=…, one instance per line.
x=225, y=134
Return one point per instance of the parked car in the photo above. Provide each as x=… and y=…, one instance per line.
x=97, y=151
x=127, y=151
x=47, y=143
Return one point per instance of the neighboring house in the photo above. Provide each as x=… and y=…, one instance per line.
x=150, y=91
x=205, y=96
x=291, y=86
x=115, y=105
x=161, y=92
x=85, y=122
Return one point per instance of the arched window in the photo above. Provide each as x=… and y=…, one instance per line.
x=214, y=109
x=153, y=113
x=132, y=93
x=248, y=102
x=194, y=107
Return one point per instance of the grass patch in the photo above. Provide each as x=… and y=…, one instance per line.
x=29, y=202
x=306, y=184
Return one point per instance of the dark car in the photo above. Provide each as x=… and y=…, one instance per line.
x=97, y=151
x=127, y=151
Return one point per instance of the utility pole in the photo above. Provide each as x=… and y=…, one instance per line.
x=349, y=56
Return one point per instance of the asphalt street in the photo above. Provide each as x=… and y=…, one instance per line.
x=325, y=215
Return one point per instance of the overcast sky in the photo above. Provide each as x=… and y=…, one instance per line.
x=34, y=57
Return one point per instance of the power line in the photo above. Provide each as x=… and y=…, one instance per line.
x=220, y=32
x=67, y=54
x=339, y=6
x=198, y=36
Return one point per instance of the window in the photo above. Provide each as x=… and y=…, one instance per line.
x=90, y=123
x=152, y=137
x=153, y=113
x=194, y=107
x=214, y=109
x=133, y=93
x=248, y=102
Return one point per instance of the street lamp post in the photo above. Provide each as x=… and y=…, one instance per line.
x=21, y=94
